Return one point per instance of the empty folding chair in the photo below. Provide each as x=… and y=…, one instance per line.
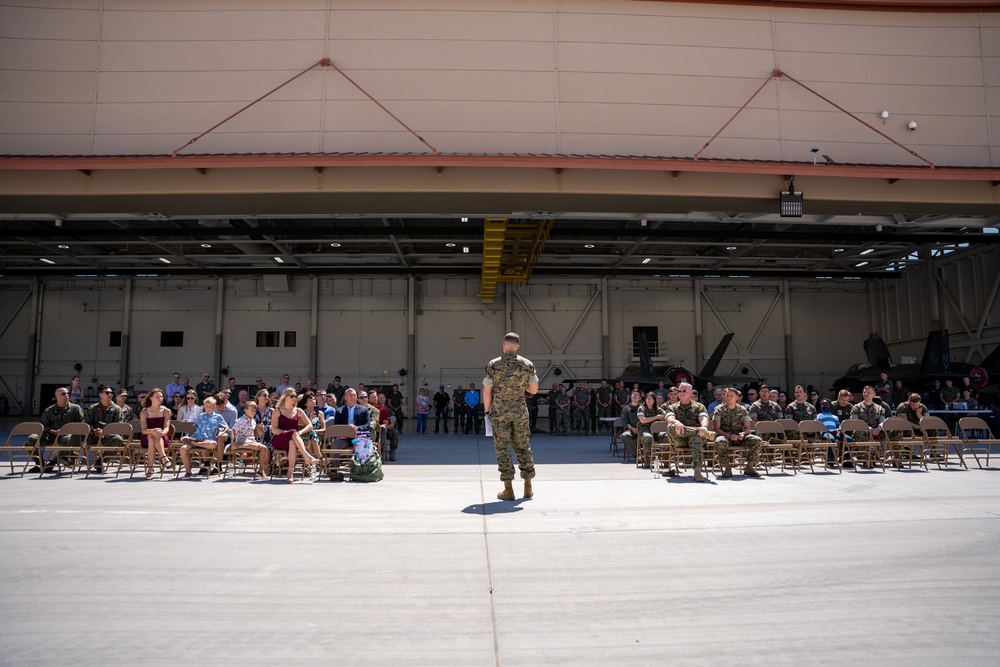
x=977, y=436
x=17, y=443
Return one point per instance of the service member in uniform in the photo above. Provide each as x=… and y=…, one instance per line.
x=688, y=420
x=54, y=417
x=507, y=378
x=732, y=428
x=458, y=402
x=563, y=403
x=99, y=415
x=872, y=414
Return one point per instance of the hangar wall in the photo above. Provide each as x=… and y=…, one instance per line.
x=112, y=77
x=362, y=328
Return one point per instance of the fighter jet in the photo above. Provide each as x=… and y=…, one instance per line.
x=935, y=365
x=647, y=374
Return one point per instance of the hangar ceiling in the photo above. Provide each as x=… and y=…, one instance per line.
x=696, y=244
x=424, y=215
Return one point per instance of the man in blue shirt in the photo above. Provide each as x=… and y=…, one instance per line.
x=472, y=408
x=209, y=434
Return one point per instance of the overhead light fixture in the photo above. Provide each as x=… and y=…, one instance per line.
x=868, y=251
x=465, y=219
x=860, y=264
x=838, y=250
x=46, y=260
x=465, y=249
x=790, y=202
x=279, y=260
x=64, y=247
x=206, y=245
x=647, y=260
x=449, y=245
x=588, y=246
x=164, y=260
x=334, y=245
x=730, y=248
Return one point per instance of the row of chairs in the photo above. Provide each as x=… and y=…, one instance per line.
x=104, y=455
x=796, y=445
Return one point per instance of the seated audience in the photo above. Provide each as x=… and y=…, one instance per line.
x=732, y=428
x=191, y=409
x=244, y=438
x=209, y=434
x=99, y=415
x=155, y=421
x=289, y=425
x=54, y=417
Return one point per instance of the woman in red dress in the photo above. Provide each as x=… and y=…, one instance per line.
x=155, y=418
x=288, y=425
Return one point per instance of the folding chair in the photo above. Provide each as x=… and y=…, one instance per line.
x=178, y=430
x=337, y=452
x=776, y=446
x=77, y=451
x=104, y=452
x=906, y=446
x=660, y=450
x=23, y=429
x=937, y=436
x=812, y=445
x=856, y=447
x=972, y=431
x=238, y=457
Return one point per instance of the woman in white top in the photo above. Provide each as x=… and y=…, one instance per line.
x=190, y=410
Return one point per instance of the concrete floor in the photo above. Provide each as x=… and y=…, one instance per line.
x=607, y=564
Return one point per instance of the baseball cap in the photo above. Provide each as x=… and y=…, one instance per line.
x=440, y=386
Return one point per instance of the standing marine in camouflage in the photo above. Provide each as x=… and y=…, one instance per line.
x=562, y=407
x=507, y=378
x=605, y=396
x=732, y=428
x=621, y=397
x=581, y=408
x=688, y=420
x=458, y=400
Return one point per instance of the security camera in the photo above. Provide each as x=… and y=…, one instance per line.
x=912, y=125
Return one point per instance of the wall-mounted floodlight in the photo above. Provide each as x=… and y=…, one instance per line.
x=791, y=201
x=884, y=116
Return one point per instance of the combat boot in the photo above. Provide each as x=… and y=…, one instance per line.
x=508, y=491
x=727, y=471
x=528, y=492
x=698, y=477
x=751, y=472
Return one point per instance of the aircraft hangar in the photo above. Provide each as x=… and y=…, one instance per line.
x=385, y=191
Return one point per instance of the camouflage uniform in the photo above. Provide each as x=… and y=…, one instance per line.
x=622, y=398
x=581, y=407
x=629, y=417
x=733, y=420
x=98, y=417
x=873, y=415
x=509, y=375
x=605, y=405
x=562, y=403
x=458, y=400
x=904, y=409
x=645, y=435
x=690, y=416
x=765, y=412
x=800, y=411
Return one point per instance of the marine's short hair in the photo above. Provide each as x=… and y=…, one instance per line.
x=512, y=338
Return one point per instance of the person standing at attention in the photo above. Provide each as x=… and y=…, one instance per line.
x=507, y=378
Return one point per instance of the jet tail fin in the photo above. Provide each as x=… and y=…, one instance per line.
x=992, y=361
x=645, y=358
x=713, y=362
x=877, y=352
x=937, y=353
